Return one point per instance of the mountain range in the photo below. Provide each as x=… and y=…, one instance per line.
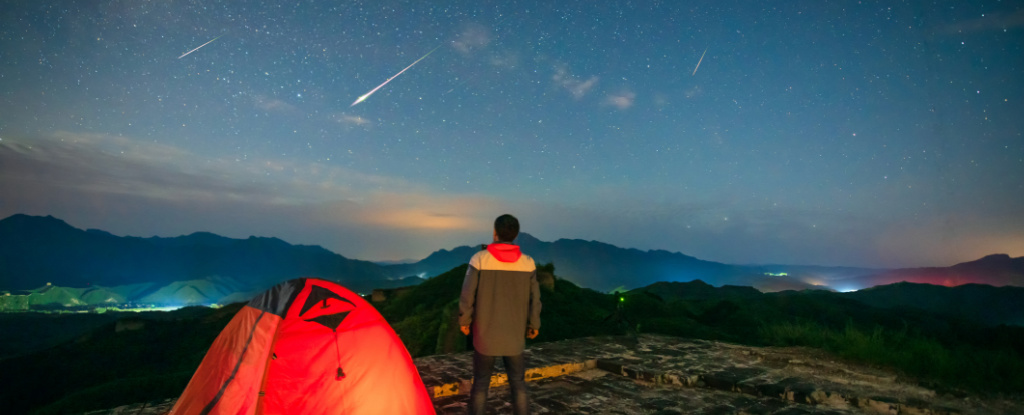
x=204, y=268
x=36, y=250
x=606, y=267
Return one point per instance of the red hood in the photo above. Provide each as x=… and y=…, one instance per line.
x=504, y=252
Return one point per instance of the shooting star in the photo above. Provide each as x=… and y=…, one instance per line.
x=699, y=61
x=200, y=46
x=367, y=95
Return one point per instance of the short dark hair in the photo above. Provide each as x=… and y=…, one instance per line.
x=507, y=227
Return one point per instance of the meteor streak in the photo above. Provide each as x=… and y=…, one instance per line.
x=200, y=46
x=699, y=61
x=367, y=95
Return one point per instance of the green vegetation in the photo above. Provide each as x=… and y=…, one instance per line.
x=65, y=299
x=941, y=352
x=911, y=353
x=569, y=312
x=151, y=358
x=417, y=315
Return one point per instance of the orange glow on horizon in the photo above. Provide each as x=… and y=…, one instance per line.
x=419, y=219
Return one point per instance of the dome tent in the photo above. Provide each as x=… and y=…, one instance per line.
x=306, y=346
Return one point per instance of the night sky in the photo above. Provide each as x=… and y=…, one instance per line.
x=879, y=134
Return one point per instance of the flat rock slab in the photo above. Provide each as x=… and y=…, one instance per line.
x=702, y=377
x=595, y=391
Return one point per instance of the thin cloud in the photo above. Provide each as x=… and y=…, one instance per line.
x=110, y=164
x=577, y=87
x=274, y=105
x=353, y=120
x=622, y=100
x=139, y=179
x=987, y=23
x=693, y=92
x=507, y=60
x=474, y=36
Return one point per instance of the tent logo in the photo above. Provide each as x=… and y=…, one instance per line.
x=332, y=310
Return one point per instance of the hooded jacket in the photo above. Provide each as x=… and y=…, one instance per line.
x=500, y=299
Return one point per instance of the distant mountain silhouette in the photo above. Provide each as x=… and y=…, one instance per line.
x=697, y=290
x=606, y=267
x=38, y=250
x=435, y=264
x=996, y=270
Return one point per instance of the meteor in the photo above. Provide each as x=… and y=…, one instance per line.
x=367, y=95
x=699, y=61
x=200, y=46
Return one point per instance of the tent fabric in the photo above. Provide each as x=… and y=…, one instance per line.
x=306, y=346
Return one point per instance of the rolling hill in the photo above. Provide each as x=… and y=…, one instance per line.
x=976, y=302
x=996, y=270
x=37, y=250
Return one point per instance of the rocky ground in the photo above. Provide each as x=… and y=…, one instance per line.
x=668, y=375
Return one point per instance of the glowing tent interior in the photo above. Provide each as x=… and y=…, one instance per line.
x=306, y=346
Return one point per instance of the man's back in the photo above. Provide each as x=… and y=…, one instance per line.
x=501, y=297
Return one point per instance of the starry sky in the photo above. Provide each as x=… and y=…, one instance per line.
x=803, y=132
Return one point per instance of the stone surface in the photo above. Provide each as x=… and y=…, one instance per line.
x=668, y=375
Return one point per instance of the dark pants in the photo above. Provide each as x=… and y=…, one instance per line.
x=515, y=367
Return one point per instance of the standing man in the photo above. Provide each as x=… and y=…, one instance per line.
x=501, y=302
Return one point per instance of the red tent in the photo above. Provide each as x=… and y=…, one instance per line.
x=306, y=346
